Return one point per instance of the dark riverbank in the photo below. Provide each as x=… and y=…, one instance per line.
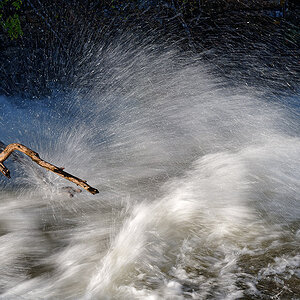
x=243, y=43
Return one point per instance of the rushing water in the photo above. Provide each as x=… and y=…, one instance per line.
x=199, y=185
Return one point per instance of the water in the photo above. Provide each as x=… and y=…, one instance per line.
x=198, y=179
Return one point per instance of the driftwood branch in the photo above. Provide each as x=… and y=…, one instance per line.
x=36, y=158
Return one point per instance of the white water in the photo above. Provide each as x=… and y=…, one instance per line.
x=199, y=186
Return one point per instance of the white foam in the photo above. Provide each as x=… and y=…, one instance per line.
x=196, y=181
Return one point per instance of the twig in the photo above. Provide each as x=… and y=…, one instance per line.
x=36, y=158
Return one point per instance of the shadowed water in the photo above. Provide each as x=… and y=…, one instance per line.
x=199, y=185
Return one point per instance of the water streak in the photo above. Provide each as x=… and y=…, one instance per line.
x=199, y=185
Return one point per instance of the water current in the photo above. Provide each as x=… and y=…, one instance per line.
x=199, y=184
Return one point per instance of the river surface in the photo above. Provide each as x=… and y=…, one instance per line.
x=199, y=185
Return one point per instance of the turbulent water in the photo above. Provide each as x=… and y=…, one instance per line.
x=199, y=185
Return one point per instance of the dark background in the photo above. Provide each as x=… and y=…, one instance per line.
x=244, y=41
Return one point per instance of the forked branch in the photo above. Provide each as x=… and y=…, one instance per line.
x=36, y=158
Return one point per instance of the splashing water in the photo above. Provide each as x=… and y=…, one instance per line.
x=199, y=185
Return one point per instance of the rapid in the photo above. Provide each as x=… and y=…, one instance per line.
x=199, y=184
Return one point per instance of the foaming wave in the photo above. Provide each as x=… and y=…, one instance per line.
x=198, y=181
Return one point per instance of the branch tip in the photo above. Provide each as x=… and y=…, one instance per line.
x=36, y=158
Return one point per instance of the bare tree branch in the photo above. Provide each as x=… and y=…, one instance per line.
x=36, y=158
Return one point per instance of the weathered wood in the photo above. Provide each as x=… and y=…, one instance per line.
x=36, y=158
